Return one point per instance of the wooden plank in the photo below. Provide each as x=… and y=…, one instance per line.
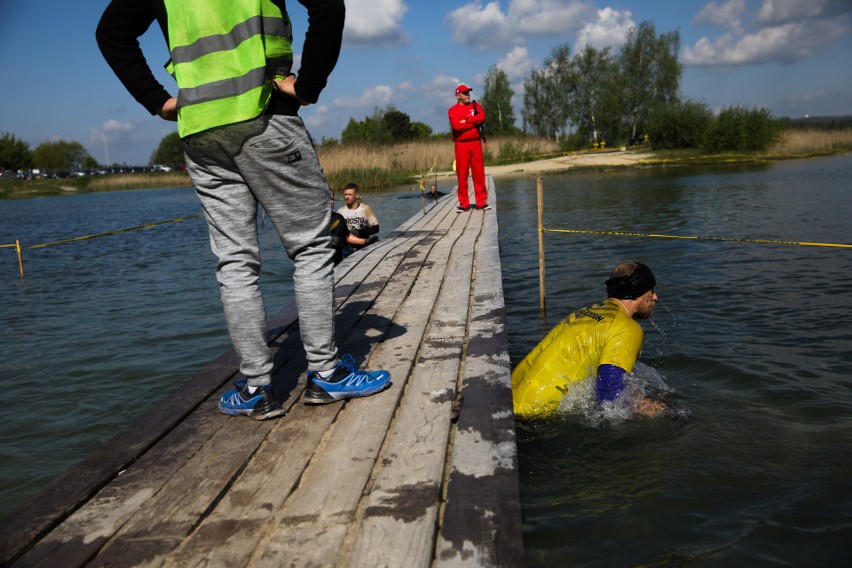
x=326, y=504
x=229, y=534
x=77, y=539
x=39, y=514
x=400, y=517
x=482, y=518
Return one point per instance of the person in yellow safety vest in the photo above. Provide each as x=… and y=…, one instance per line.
x=245, y=146
x=603, y=341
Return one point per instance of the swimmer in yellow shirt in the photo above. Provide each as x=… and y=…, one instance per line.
x=603, y=340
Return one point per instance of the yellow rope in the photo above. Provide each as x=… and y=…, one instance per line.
x=108, y=232
x=652, y=235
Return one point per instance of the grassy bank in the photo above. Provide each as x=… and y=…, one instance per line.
x=16, y=189
x=399, y=164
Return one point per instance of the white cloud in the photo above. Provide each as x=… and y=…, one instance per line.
x=727, y=15
x=517, y=64
x=375, y=23
x=115, y=126
x=785, y=32
x=785, y=11
x=378, y=96
x=484, y=26
x=111, y=131
x=610, y=29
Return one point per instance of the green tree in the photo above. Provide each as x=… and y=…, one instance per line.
x=547, y=95
x=371, y=130
x=421, y=130
x=169, y=152
x=398, y=124
x=14, y=154
x=650, y=73
x=383, y=127
x=594, y=107
x=59, y=156
x=682, y=124
x=89, y=163
x=497, y=102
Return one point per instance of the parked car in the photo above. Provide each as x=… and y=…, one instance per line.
x=160, y=168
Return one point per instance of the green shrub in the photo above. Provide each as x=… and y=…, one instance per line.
x=681, y=125
x=741, y=130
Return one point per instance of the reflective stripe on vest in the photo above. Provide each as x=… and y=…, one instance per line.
x=224, y=55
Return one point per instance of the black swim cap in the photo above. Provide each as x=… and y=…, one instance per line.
x=633, y=285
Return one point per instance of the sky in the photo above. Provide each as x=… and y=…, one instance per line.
x=793, y=57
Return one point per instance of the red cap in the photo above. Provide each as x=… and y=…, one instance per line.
x=463, y=89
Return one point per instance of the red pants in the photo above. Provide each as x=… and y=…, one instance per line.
x=469, y=155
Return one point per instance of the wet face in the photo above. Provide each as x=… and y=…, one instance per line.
x=433, y=189
x=350, y=196
x=645, y=305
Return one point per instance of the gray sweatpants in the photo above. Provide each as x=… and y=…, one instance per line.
x=269, y=160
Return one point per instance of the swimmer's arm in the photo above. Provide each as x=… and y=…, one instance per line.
x=609, y=383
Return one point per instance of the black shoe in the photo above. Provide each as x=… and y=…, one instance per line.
x=461, y=209
x=485, y=207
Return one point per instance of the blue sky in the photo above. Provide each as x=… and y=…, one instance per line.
x=791, y=56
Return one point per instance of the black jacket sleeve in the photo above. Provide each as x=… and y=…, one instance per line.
x=118, y=33
x=322, y=46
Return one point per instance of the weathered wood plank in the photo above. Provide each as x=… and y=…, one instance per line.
x=77, y=539
x=38, y=515
x=326, y=503
x=230, y=532
x=398, y=526
x=482, y=518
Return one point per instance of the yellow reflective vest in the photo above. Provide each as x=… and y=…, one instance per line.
x=224, y=55
x=573, y=350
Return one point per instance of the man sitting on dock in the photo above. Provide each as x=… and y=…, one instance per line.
x=343, y=242
x=360, y=219
x=603, y=341
x=245, y=145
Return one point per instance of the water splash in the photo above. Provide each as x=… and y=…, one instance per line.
x=643, y=382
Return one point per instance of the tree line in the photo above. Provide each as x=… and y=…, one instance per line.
x=62, y=156
x=593, y=98
x=596, y=98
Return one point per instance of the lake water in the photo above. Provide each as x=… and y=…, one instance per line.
x=753, y=339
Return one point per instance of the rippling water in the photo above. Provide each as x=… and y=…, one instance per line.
x=753, y=339
x=100, y=330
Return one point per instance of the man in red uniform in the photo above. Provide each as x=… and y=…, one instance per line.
x=466, y=119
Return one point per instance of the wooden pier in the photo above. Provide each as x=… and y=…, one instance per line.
x=422, y=474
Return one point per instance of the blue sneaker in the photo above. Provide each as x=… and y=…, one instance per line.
x=261, y=405
x=347, y=382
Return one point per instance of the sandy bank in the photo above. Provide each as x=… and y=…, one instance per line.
x=617, y=158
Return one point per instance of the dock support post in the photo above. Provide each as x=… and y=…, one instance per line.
x=540, y=194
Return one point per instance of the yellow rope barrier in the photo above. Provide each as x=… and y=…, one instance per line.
x=112, y=232
x=698, y=238
x=19, y=248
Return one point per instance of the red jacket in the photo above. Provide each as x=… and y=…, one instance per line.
x=464, y=123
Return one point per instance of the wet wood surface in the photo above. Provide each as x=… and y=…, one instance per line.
x=422, y=474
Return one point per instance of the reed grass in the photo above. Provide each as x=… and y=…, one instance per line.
x=380, y=166
x=138, y=181
x=794, y=143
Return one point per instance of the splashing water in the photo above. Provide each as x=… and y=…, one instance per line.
x=643, y=382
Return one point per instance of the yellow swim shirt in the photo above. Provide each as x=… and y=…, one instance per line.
x=573, y=350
